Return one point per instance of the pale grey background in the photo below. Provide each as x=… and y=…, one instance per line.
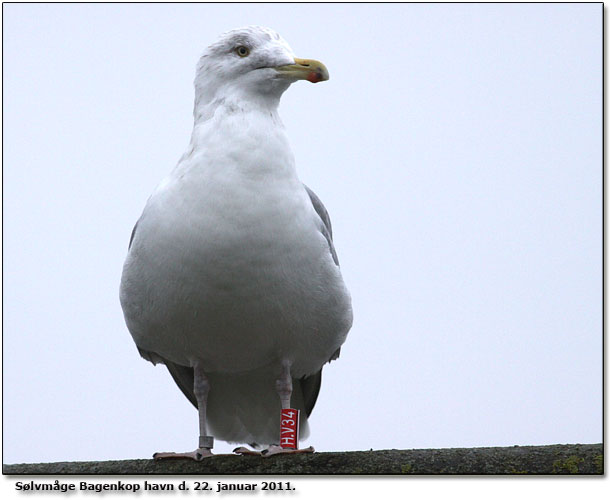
x=458, y=150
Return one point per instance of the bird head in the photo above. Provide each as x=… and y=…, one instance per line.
x=252, y=62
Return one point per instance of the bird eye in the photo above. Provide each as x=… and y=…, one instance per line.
x=242, y=51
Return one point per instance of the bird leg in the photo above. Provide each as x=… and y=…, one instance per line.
x=201, y=388
x=283, y=386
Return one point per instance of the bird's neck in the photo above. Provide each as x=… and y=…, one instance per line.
x=244, y=134
x=234, y=99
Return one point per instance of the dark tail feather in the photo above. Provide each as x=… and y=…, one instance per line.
x=310, y=387
x=184, y=376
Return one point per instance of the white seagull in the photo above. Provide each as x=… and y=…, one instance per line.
x=231, y=279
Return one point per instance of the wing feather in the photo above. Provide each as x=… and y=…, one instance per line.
x=327, y=229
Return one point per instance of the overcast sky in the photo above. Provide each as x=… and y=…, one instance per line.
x=458, y=149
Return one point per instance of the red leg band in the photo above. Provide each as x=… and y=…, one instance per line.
x=289, y=428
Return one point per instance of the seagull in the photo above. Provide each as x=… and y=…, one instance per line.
x=232, y=280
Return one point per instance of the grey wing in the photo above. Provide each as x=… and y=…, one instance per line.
x=133, y=233
x=327, y=229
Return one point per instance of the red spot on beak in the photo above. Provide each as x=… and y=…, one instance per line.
x=314, y=77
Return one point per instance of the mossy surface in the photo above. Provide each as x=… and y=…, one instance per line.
x=406, y=468
x=568, y=466
x=553, y=459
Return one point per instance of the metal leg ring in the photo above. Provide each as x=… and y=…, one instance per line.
x=206, y=442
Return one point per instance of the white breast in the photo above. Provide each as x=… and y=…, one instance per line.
x=228, y=263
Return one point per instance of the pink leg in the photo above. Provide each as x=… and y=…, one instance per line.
x=201, y=388
x=283, y=386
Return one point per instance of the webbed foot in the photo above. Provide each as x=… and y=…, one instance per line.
x=273, y=449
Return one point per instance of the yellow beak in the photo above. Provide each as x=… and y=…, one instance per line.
x=304, y=69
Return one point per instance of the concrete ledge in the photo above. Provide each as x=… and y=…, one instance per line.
x=552, y=459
